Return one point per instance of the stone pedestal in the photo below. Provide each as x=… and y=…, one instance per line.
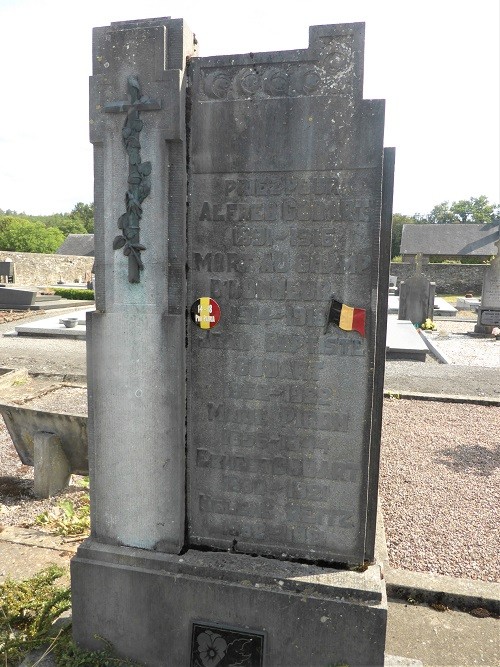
x=151, y=607
x=52, y=468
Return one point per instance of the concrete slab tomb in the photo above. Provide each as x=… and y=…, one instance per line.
x=54, y=443
x=17, y=299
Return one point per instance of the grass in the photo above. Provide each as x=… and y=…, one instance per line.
x=451, y=298
x=28, y=610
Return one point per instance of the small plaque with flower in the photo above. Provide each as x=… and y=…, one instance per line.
x=214, y=645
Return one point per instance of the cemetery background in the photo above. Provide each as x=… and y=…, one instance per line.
x=44, y=269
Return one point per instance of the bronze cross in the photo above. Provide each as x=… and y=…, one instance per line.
x=139, y=176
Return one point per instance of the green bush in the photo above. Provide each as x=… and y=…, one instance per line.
x=28, y=610
x=75, y=293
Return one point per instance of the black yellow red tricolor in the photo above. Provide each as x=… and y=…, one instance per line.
x=205, y=312
x=347, y=317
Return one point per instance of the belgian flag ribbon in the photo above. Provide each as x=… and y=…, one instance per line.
x=346, y=317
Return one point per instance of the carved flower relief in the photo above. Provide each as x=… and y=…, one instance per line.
x=336, y=53
x=276, y=82
x=211, y=648
x=337, y=61
x=311, y=81
x=249, y=81
x=263, y=82
x=217, y=84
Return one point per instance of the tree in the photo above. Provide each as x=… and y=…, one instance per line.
x=71, y=226
x=476, y=210
x=441, y=214
x=85, y=214
x=21, y=235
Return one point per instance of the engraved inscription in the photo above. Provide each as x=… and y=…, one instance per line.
x=285, y=178
x=285, y=416
x=230, y=437
x=266, y=509
x=490, y=317
x=285, y=466
x=271, y=248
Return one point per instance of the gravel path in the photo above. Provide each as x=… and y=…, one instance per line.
x=41, y=355
x=472, y=371
x=440, y=487
x=452, y=339
x=439, y=483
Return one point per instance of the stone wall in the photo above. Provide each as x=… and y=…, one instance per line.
x=44, y=270
x=449, y=278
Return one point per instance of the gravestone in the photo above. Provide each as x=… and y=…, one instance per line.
x=7, y=271
x=17, y=299
x=488, y=314
x=416, y=297
x=234, y=454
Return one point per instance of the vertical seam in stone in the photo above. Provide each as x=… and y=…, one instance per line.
x=186, y=315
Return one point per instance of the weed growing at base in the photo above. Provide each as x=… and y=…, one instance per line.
x=28, y=610
x=68, y=517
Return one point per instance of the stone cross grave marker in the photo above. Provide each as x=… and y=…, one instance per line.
x=416, y=296
x=235, y=377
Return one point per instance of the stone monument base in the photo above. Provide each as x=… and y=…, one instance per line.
x=487, y=319
x=199, y=607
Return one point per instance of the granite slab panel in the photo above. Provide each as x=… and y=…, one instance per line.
x=285, y=180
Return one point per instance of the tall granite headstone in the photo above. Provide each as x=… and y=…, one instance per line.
x=488, y=315
x=243, y=211
x=284, y=209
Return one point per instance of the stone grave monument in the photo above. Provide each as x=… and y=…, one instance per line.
x=416, y=296
x=488, y=314
x=235, y=358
